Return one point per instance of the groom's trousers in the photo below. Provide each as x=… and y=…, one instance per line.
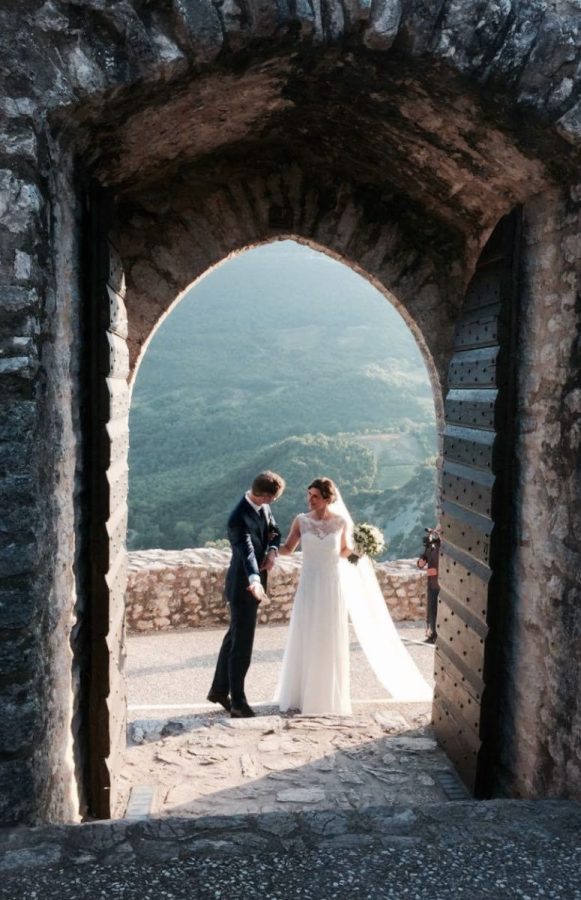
x=236, y=650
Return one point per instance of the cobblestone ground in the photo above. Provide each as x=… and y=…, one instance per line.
x=192, y=760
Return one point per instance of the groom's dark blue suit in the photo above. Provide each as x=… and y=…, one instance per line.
x=251, y=535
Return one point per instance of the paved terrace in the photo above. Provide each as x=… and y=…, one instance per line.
x=281, y=807
x=187, y=757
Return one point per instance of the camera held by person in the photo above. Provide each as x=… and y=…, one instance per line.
x=431, y=537
x=430, y=558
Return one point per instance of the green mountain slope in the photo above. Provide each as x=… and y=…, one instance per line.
x=283, y=359
x=403, y=514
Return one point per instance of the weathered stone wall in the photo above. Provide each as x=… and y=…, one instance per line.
x=542, y=748
x=39, y=348
x=21, y=693
x=185, y=589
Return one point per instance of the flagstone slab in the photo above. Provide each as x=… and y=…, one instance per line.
x=301, y=795
x=391, y=721
x=269, y=744
x=414, y=744
x=248, y=766
x=264, y=724
x=278, y=763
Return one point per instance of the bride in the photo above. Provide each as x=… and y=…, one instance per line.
x=315, y=669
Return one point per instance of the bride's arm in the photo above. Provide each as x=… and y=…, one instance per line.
x=346, y=550
x=292, y=541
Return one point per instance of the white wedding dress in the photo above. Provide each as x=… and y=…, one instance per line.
x=315, y=669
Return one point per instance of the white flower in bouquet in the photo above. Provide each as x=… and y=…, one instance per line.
x=368, y=541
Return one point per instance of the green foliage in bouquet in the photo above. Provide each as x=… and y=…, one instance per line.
x=368, y=541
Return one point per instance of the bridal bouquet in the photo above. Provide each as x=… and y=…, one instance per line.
x=368, y=541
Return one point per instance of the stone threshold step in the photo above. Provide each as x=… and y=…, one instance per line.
x=156, y=840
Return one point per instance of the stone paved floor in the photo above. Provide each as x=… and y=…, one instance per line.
x=316, y=835
x=200, y=765
x=188, y=759
x=278, y=807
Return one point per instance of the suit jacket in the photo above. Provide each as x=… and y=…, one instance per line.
x=251, y=535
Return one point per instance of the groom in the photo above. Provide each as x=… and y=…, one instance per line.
x=255, y=539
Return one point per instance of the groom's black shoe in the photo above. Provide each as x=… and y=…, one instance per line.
x=217, y=697
x=242, y=712
x=431, y=639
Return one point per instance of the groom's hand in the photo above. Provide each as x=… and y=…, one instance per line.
x=269, y=561
x=257, y=591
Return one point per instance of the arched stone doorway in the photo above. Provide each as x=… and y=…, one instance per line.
x=286, y=336
x=463, y=654
x=395, y=137
x=114, y=363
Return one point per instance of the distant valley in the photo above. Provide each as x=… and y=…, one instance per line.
x=281, y=358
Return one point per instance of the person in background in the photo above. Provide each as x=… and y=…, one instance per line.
x=430, y=558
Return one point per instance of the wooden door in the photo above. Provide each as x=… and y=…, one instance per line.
x=477, y=510
x=107, y=473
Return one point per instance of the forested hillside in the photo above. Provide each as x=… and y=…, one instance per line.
x=281, y=358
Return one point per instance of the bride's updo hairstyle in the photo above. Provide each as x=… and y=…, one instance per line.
x=326, y=488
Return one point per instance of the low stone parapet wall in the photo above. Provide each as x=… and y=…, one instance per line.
x=185, y=589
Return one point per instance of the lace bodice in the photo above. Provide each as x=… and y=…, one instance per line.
x=321, y=528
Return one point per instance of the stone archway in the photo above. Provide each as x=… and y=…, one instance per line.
x=132, y=306
x=429, y=122
x=468, y=739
